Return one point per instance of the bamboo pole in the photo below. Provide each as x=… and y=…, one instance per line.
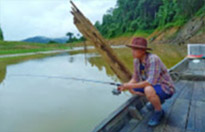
x=101, y=45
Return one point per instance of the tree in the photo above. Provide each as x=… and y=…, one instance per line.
x=70, y=35
x=1, y=35
x=52, y=42
x=97, y=25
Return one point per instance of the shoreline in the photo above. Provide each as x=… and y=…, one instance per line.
x=54, y=51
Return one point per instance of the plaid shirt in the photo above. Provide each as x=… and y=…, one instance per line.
x=155, y=72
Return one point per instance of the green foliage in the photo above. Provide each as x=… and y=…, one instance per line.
x=72, y=38
x=70, y=35
x=201, y=11
x=52, y=42
x=1, y=35
x=130, y=16
x=188, y=8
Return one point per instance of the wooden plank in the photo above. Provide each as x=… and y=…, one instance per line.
x=130, y=125
x=176, y=122
x=177, y=119
x=196, y=118
x=187, y=92
x=199, y=91
x=143, y=127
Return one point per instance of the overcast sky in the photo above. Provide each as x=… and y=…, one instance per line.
x=20, y=19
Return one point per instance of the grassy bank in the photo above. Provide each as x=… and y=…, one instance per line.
x=169, y=54
x=7, y=47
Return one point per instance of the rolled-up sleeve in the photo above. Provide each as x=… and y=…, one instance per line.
x=153, y=70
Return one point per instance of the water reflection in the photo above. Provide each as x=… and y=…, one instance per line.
x=101, y=65
x=4, y=62
x=93, y=58
x=44, y=105
x=2, y=72
x=70, y=59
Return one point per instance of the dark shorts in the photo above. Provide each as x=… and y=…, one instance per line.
x=162, y=95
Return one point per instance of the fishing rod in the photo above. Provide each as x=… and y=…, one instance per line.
x=114, y=91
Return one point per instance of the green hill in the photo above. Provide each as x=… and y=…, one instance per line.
x=136, y=16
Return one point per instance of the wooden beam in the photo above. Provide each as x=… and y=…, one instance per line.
x=101, y=45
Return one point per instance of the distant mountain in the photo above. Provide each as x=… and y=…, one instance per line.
x=42, y=39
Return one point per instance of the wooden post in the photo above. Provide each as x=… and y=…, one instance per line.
x=101, y=45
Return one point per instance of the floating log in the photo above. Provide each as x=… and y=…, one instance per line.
x=101, y=45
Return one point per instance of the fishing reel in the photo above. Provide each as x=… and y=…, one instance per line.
x=116, y=91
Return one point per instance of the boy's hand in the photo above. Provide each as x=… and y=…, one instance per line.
x=125, y=86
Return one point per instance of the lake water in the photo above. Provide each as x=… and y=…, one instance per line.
x=40, y=104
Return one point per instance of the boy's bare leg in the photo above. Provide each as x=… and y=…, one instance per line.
x=152, y=97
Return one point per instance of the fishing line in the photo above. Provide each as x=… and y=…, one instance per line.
x=114, y=91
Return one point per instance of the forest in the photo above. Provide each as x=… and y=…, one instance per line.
x=131, y=16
